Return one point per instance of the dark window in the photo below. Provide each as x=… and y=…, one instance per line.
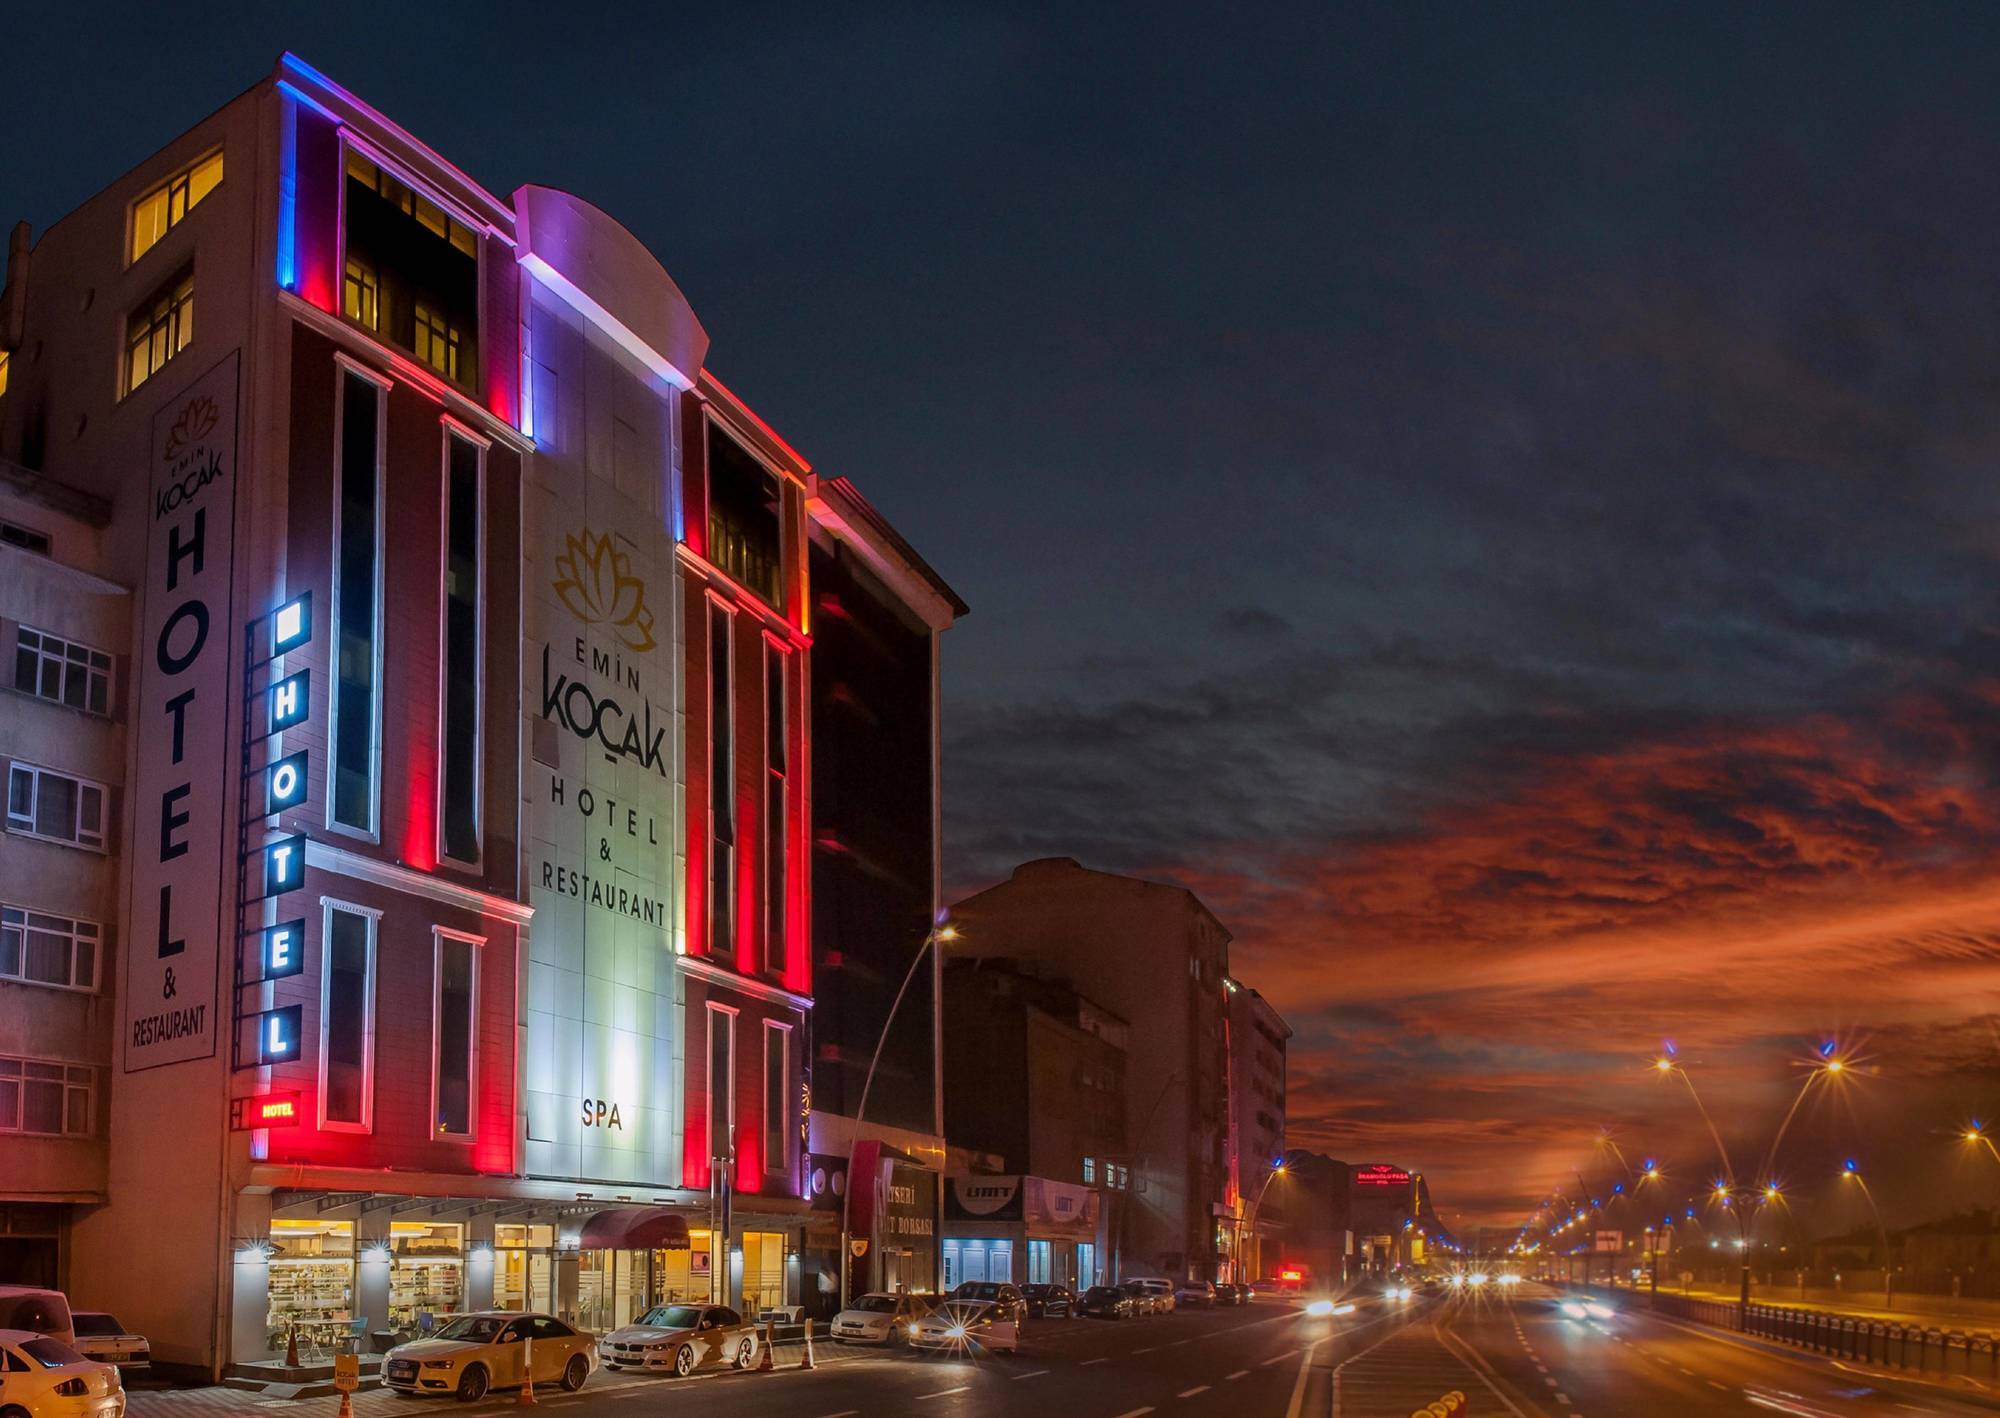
x=461, y=649
x=349, y=992
x=457, y=961
x=744, y=498
x=774, y=1099
x=777, y=820
x=62, y=671
x=410, y=272
x=357, y=565
x=721, y=784
x=721, y=1065
x=13, y=534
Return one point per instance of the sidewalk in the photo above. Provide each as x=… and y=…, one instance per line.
x=1943, y=1311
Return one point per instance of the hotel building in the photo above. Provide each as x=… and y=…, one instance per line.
x=443, y=815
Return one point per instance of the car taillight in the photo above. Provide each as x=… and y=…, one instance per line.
x=72, y=1388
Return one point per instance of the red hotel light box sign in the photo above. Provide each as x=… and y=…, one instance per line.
x=1381, y=1176
x=265, y=1110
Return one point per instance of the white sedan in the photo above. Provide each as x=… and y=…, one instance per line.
x=683, y=1338
x=43, y=1377
x=879, y=1318
x=967, y=1325
x=99, y=1336
x=487, y=1350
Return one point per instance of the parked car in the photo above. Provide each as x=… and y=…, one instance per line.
x=484, y=1350
x=1049, y=1301
x=99, y=1336
x=996, y=1292
x=1160, y=1293
x=44, y=1377
x=1106, y=1302
x=970, y=1325
x=38, y=1311
x=683, y=1338
x=1197, y=1293
x=879, y=1318
x=1228, y=1293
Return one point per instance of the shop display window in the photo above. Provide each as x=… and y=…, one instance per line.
x=522, y=1268
x=763, y=1270
x=426, y=1273
x=312, y=1282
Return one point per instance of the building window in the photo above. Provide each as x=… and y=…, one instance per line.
x=159, y=330
x=721, y=1086
x=777, y=818
x=411, y=270
x=162, y=209
x=52, y=1099
x=1041, y=1265
x=776, y=1048
x=13, y=534
x=357, y=598
x=5, y=358
x=38, y=949
x=464, y=599
x=361, y=294
x=436, y=341
x=62, y=671
x=347, y=1017
x=454, y=1032
x=54, y=806
x=1089, y=1170
x=745, y=499
x=721, y=782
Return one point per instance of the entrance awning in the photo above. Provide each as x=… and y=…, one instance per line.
x=635, y=1228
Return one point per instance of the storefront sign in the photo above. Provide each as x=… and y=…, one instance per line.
x=278, y=1035
x=180, y=726
x=265, y=1110
x=995, y=1197
x=1379, y=1175
x=282, y=951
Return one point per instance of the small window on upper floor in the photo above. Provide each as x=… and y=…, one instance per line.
x=3, y=371
x=159, y=329
x=745, y=517
x=62, y=671
x=410, y=271
x=162, y=209
x=13, y=534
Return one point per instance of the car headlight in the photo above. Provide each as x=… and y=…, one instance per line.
x=1320, y=1307
x=439, y=1363
x=1572, y=1309
x=1598, y=1312
x=957, y=1331
x=909, y=1329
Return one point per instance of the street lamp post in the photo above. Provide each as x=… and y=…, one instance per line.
x=1278, y=1169
x=1851, y=1170
x=942, y=933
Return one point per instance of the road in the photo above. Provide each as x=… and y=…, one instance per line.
x=1229, y=1363
x=1633, y=1365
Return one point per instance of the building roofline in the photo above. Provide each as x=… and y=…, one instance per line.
x=871, y=517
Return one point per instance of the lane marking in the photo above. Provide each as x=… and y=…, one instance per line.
x=1276, y=1359
x=945, y=1392
x=1191, y=1392
x=1147, y=1350
x=1135, y=1413
x=1231, y=1378
x=1035, y=1375
x=1299, y=1384
x=1713, y=1384
x=845, y=1413
x=1563, y=1399
x=1088, y=1362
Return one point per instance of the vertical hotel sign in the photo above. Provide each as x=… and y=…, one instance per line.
x=181, y=783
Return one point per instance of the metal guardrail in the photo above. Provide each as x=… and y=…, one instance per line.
x=1921, y=1348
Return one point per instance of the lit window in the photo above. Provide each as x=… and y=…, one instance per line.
x=159, y=330
x=46, y=1097
x=39, y=949
x=3, y=371
x=437, y=341
x=1089, y=1170
x=54, y=806
x=361, y=294
x=162, y=209
x=62, y=671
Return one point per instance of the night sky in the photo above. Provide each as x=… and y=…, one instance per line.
x=1503, y=501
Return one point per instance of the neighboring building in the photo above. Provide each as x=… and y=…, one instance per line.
x=1343, y=1220
x=1026, y=1229
x=1318, y=1241
x=1257, y=1038
x=1039, y=1086
x=1158, y=957
x=64, y=691
x=876, y=1181
x=461, y=831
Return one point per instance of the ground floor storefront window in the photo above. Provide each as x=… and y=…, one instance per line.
x=763, y=1270
x=523, y=1268
x=1086, y=1265
x=311, y=1282
x=687, y=1275
x=1040, y=1263
x=977, y=1258
x=426, y=1273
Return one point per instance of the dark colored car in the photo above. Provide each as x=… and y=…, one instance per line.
x=1105, y=1302
x=1049, y=1301
x=1227, y=1294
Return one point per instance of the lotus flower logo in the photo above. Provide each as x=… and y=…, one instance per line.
x=194, y=424
x=594, y=579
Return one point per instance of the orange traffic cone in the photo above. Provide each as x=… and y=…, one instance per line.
x=346, y=1404
x=807, y=1361
x=768, y=1364
x=527, y=1399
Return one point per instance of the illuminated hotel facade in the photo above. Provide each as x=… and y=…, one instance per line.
x=463, y=940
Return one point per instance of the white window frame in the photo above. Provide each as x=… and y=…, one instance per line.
x=63, y=643
x=75, y=933
x=342, y=368
x=439, y=935
x=780, y=1123
x=729, y=1013
x=38, y=772
x=16, y=1126
x=452, y=428
x=182, y=174
x=329, y=907
x=716, y=603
